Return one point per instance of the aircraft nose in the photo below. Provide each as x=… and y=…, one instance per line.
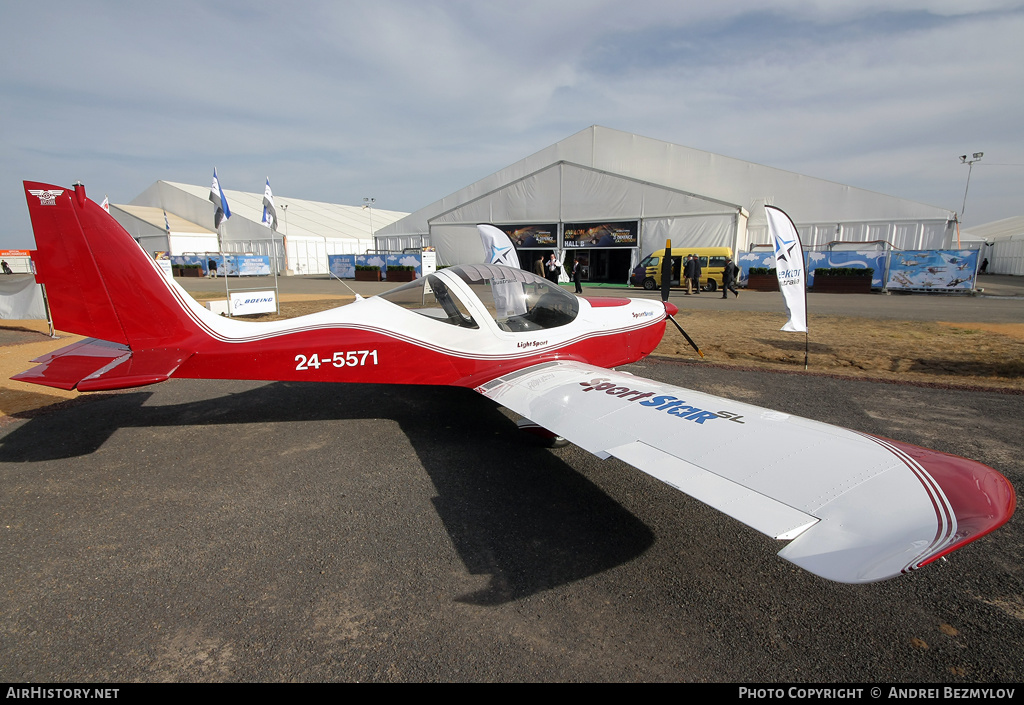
x=671, y=308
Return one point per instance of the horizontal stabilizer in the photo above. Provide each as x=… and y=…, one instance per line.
x=95, y=365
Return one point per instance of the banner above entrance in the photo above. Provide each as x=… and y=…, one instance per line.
x=610, y=234
x=532, y=236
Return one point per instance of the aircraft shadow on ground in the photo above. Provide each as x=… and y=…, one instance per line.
x=513, y=509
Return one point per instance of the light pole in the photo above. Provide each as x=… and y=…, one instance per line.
x=368, y=203
x=976, y=157
x=284, y=238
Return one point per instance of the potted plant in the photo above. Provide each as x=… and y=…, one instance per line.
x=762, y=279
x=366, y=273
x=401, y=273
x=842, y=280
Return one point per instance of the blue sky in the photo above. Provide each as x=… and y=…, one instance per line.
x=409, y=101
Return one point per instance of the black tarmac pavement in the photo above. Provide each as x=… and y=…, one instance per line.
x=227, y=531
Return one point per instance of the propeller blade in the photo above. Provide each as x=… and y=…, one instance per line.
x=688, y=338
x=666, y=271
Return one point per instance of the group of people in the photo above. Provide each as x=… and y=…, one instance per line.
x=692, y=271
x=551, y=269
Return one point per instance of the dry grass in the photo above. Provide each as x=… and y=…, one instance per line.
x=982, y=355
x=977, y=354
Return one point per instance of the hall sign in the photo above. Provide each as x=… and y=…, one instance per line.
x=577, y=236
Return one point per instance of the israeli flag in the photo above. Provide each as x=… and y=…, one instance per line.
x=269, y=211
x=789, y=265
x=167, y=225
x=219, y=202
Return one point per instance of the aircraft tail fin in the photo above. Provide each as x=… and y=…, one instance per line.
x=99, y=281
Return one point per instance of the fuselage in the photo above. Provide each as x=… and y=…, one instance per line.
x=383, y=339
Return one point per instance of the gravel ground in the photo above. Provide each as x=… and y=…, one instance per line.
x=226, y=531
x=234, y=531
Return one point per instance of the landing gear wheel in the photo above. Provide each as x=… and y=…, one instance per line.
x=545, y=437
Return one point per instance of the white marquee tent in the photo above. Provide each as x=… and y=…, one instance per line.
x=696, y=198
x=1005, y=240
x=308, y=231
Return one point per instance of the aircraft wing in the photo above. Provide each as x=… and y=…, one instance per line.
x=854, y=507
x=94, y=365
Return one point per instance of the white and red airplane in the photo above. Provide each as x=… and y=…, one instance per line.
x=852, y=507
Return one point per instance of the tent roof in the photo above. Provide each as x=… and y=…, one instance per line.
x=997, y=230
x=304, y=218
x=686, y=170
x=155, y=217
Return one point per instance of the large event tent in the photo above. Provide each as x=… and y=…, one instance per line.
x=696, y=198
x=307, y=232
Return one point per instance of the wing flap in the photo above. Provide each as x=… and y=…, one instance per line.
x=96, y=365
x=763, y=513
x=859, y=508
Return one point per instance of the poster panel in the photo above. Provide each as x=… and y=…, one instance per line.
x=850, y=259
x=610, y=234
x=342, y=266
x=536, y=236
x=933, y=270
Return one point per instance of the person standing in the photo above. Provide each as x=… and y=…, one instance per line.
x=538, y=268
x=552, y=269
x=7, y=267
x=729, y=274
x=696, y=274
x=688, y=274
x=577, y=273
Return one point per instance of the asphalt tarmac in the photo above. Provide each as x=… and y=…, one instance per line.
x=226, y=531
x=244, y=531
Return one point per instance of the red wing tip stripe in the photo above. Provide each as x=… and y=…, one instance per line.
x=945, y=516
x=979, y=498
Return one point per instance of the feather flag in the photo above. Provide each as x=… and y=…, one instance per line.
x=498, y=247
x=269, y=211
x=219, y=202
x=789, y=265
x=106, y=204
x=508, y=295
x=167, y=225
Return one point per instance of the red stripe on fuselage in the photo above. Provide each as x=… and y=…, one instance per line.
x=388, y=358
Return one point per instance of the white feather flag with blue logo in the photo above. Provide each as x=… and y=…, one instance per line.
x=789, y=265
x=498, y=248
x=508, y=295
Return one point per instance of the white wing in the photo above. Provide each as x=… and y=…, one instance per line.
x=856, y=508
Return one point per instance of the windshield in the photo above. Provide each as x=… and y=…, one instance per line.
x=517, y=300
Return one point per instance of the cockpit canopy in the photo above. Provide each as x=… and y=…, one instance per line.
x=517, y=300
